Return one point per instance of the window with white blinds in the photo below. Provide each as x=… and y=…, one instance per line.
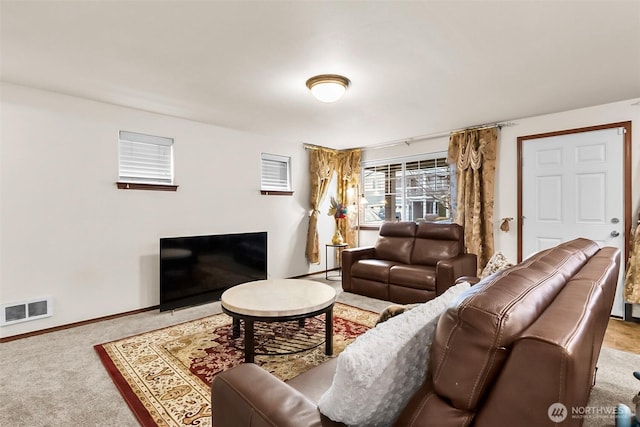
x=276, y=173
x=415, y=188
x=145, y=159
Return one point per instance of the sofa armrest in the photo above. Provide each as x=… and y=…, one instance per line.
x=551, y=361
x=249, y=396
x=448, y=270
x=351, y=256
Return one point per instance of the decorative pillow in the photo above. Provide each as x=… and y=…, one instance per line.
x=394, y=310
x=496, y=263
x=379, y=372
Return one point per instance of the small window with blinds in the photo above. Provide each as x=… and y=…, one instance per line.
x=145, y=162
x=276, y=174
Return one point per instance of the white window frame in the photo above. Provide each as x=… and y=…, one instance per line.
x=378, y=200
x=145, y=159
x=275, y=175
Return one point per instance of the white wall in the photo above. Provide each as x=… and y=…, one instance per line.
x=506, y=172
x=66, y=231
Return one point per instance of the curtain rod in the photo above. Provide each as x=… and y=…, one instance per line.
x=409, y=140
x=495, y=125
x=427, y=137
x=318, y=147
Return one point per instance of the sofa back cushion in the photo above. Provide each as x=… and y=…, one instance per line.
x=371, y=391
x=474, y=337
x=395, y=241
x=436, y=241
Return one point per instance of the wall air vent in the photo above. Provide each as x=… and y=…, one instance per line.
x=25, y=310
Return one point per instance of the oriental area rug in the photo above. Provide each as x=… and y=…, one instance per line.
x=165, y=375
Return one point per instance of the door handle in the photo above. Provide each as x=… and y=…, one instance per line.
x=614, y=234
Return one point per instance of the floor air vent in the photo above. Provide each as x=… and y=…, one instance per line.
x=24, y=311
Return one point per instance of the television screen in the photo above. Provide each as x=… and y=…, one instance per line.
x=198, y=269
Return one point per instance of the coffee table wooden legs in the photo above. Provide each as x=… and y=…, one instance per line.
x=328, y=332
x=235, y=332
x=249, y=341
x=249, y=336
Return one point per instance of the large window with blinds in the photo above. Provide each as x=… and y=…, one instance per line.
x=408, y=189
x=145, y=159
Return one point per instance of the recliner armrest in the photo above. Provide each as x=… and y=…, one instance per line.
x=249, y=396
x=448, y=270
x=351, y=256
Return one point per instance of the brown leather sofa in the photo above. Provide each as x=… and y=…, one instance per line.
x=409, y=263
x=523, y=339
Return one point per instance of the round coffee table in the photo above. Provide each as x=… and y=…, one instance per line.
x=278, y=300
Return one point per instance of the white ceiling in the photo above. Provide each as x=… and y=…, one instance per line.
x=417, y=68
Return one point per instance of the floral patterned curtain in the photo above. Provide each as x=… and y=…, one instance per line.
x=632, y=279
x=348, y=180
x=474, y=154
x=322, y=164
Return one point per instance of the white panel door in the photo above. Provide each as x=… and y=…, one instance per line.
x=573, y=186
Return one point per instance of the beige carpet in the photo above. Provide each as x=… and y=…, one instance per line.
x=57, y=379
x=614, y=384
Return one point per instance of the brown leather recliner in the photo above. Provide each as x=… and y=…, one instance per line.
x=409, y=263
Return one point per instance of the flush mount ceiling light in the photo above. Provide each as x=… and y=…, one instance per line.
x=328, y=87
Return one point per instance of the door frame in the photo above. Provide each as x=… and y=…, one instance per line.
x=627, y=177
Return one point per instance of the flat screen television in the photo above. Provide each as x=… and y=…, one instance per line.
x=198, y=269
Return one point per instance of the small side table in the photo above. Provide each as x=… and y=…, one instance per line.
x=337, y=252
